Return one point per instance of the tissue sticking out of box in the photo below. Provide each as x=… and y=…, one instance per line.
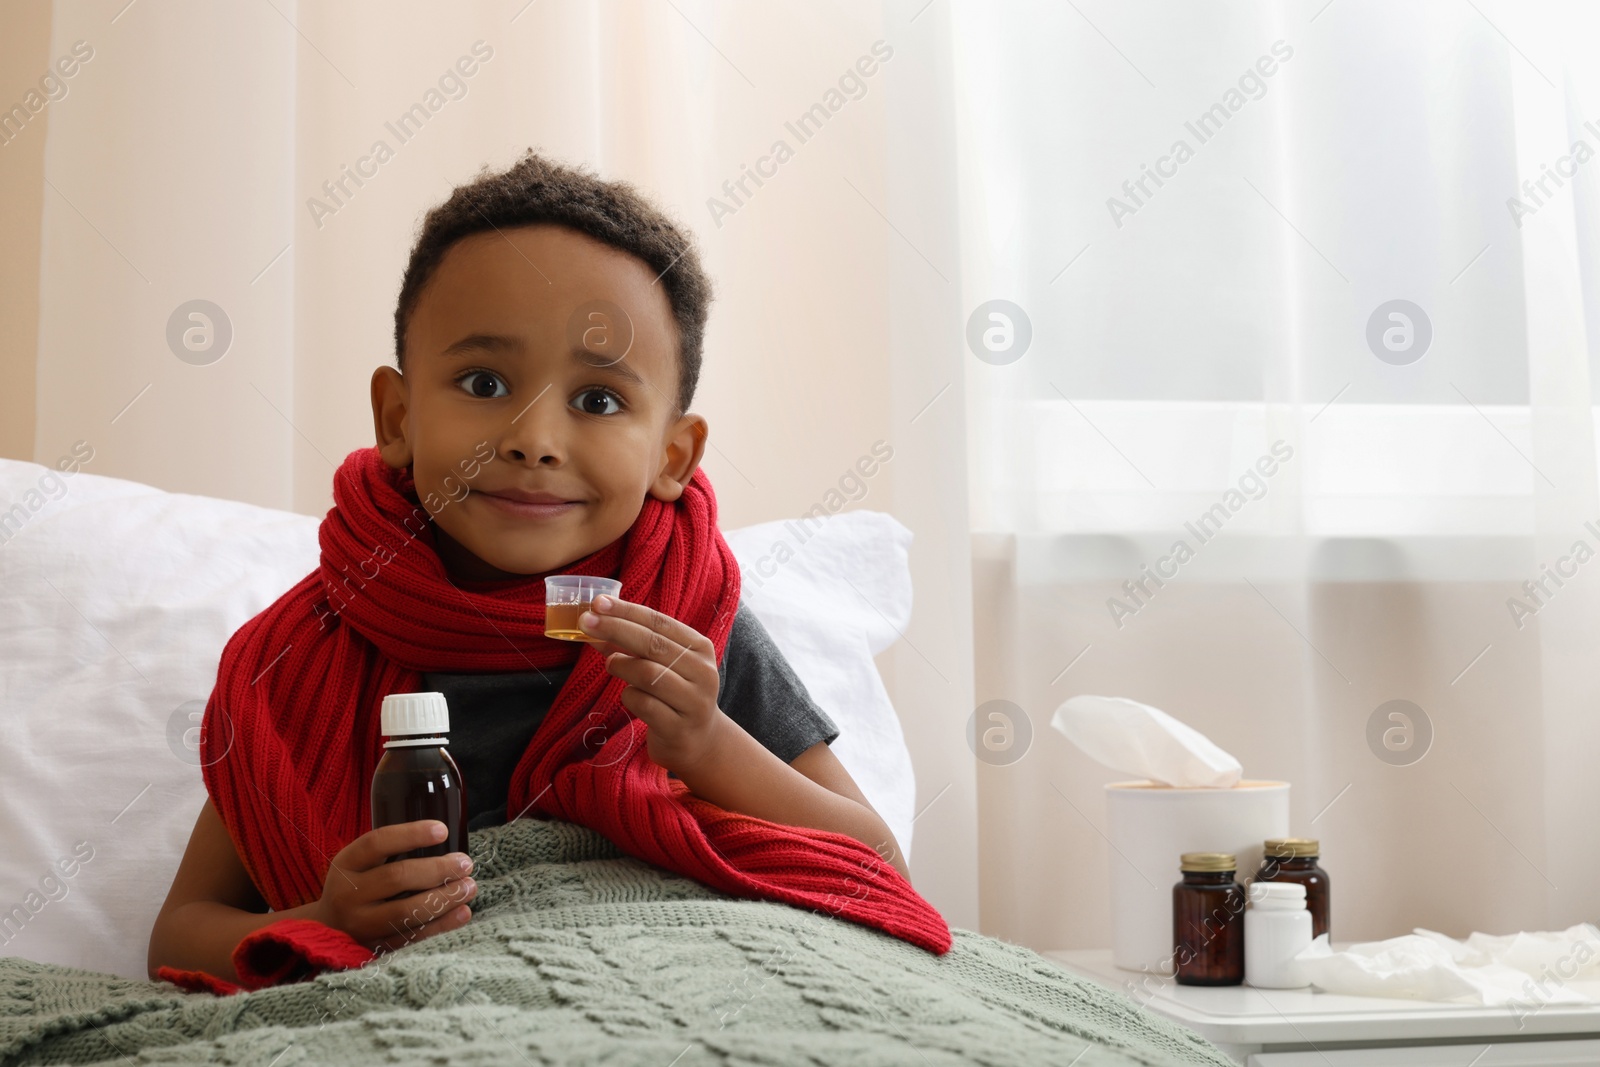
x=1146, y=742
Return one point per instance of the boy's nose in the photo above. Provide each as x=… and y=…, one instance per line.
x=535, y=434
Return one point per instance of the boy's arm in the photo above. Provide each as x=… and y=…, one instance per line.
x=737, y=772
x=212, y=904
x=671, y=671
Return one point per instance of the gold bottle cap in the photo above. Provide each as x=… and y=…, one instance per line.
x=1293, y=847
x=1207, y=861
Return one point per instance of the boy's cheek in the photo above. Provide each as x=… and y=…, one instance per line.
x=473, y=465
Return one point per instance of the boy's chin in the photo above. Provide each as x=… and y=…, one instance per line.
x=509, y=566
x=488, y=563
x=524, y=568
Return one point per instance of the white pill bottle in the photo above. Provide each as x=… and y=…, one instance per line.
x=1277, y=926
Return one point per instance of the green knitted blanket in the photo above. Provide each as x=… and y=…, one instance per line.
x=577, y=954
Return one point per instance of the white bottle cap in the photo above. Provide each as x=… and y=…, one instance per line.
x=406, y=714
x=1288, y=896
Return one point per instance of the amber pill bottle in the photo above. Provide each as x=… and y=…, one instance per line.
x=1208, y=921
x=1294, y=859
x=417, y=778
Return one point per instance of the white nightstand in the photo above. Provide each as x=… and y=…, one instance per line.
x=1300, y=1028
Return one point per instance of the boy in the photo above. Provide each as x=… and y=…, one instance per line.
x=548, y=341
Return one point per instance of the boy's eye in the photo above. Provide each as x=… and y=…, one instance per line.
x=481, y=383
x=594, y=401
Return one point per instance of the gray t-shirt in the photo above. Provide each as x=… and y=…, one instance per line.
x=494, y=716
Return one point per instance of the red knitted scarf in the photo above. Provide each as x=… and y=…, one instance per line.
x=291, y=732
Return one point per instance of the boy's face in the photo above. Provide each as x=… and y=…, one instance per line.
x=502, y=353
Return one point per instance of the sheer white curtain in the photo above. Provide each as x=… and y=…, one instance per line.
x=1206, y=214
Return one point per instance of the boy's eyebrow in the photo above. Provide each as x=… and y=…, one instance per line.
x=482, y=342
x=493, y=342
x=607, y=363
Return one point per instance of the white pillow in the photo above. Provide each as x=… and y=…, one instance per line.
x=836, y=599
x=118, y=600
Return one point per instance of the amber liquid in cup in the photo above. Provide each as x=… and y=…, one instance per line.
x=561, y=621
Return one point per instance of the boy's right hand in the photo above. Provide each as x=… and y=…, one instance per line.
x=360, y=882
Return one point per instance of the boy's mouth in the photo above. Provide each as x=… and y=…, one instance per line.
x=524, y=504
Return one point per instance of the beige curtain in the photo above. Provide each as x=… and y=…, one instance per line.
x=229, y=153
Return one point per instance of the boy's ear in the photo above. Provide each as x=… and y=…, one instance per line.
x=390, y=407
x=686, y=444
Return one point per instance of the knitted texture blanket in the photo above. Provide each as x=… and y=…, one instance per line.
x=291, y=732
x=579, y=954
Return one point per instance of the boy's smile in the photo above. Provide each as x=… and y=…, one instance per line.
x=561, y=354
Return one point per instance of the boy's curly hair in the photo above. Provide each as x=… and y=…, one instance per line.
x=536, y=190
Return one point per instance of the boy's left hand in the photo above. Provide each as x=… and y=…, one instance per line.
x=671, y=671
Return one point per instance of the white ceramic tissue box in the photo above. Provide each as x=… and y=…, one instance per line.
x=1150, y=825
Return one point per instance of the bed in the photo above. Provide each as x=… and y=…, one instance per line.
x=117, y=600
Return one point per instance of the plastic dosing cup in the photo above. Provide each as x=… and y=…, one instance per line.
x=568, y=596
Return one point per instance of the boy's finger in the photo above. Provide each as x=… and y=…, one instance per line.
x=411, y=914
x=636, y=639
x=606, y=648
x=656, y=713
x=671, y=688
x=374, y=847
x=414, y=875
x=453, y=919
x=647, y=618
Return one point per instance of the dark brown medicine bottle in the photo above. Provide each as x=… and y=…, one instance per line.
x=1208, y=921
x=416, y=778
x=1294, y=859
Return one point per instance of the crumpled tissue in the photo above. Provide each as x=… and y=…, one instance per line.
x=1523, y=971
x=1137, y=739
